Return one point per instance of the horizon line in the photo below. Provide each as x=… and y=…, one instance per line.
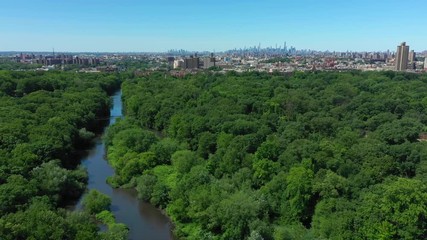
x=190, y=51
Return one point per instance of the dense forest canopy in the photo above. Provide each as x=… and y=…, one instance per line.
x=44, y=118
x=324, y=155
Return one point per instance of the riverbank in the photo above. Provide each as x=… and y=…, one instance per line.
x=143, y=220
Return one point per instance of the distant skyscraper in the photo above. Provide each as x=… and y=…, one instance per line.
x=425, y=64
x=402, y=57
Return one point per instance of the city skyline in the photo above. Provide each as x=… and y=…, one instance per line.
x=141, y=26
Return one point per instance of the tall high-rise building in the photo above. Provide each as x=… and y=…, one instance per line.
x=425, y=64
x=170, y=61
x=402, y=57
x=191, y=63
x=412, y=56
x=178, y=63
x=208, y=62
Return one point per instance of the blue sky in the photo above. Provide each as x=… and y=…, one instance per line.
x=159, y=25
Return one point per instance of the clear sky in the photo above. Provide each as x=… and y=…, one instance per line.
x=160, y=25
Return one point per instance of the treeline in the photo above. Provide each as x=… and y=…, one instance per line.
x=44, y=118
x=9, y=64
x=321, y=155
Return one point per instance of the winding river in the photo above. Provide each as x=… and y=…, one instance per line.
x=144, y=220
